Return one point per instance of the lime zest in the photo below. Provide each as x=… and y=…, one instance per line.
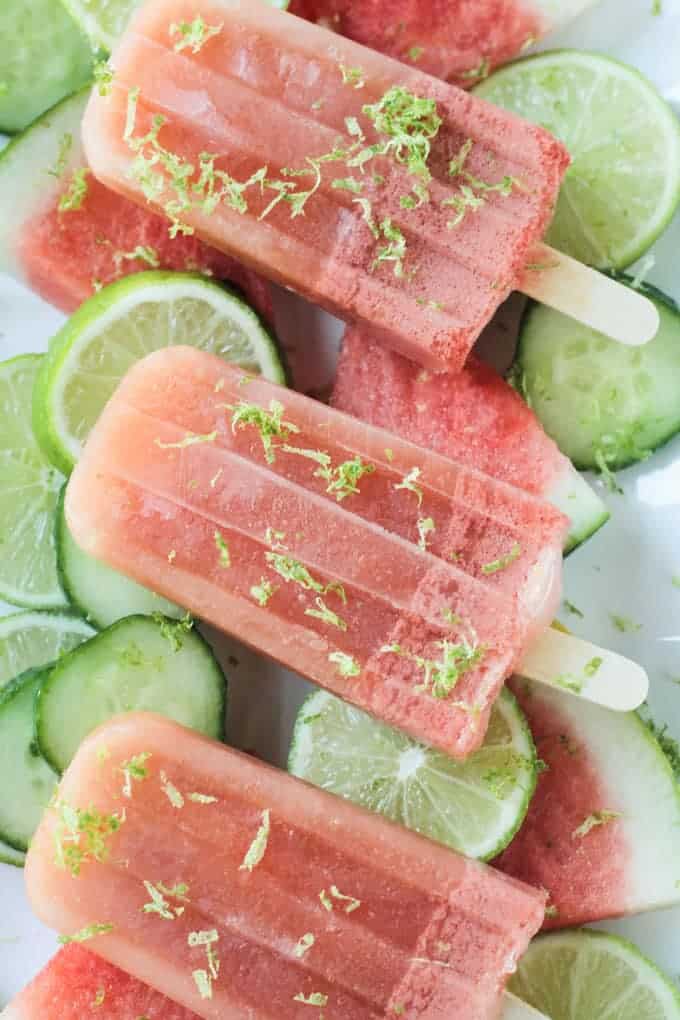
x=325, y=901
x=202, y=798
x=263, y=591
x=394, y=251
x=326, y=615
x=304, y=944
x=269, y=423
x=292, y=570
x=204, y=978
x=134, y=770
x=171, y=791
x=100, y=996
x=82, y=835
x=593, y=821
x=191, y=439
x=63, y=152
x=174, y=630
x=483, y=68
x=215, y=478
x=76, y=192
x=222, y=549
x=415, y=53
x=345, y=476
x=142, y=253
x=574, y=610
x=352, y=76
x=440, y=677
x=193, y=34
x=592, y=667
x=315, y=999
x=160, y=905
x=624, y=624
x=425, y=527
x=90, y=932
x=352, y=903
x=409, y=484
x=102, y=73
x=503, y=562
x=258, y=847
x=410, y=124
x=347, y=664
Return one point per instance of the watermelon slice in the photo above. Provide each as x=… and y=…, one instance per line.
x=607, y=787
x=76, y=985
x=64, y=256
x=473, y=417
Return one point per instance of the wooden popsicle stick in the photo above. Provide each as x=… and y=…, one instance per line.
x=590, y=297
x=580, y=668
x=515, y=1009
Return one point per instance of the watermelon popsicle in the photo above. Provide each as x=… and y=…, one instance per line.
x=456, y=40
x=473, y=416
x=272, y=897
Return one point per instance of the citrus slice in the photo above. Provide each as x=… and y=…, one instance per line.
x=475, y=806
x=121, y=324
x=623, y=185
x=584, y=973
x=29, y=488
x=31, y=640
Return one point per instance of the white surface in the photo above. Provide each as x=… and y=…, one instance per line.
x=627, y=568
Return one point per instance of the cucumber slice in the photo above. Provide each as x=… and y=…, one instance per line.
x=140, y=664
x=8, y=855
x=26, y=780
x=605, y=405
x=43, y=57
x=100, y=593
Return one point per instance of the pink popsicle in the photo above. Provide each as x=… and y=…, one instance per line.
x=422, y=236
x=272, y=899
x=398, y=579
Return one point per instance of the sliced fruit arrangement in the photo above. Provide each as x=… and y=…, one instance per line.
x=43, y=57
x=584, y=973
x=121, y=324
x=605, y=405
x=32, y=640
x=30, y=490
x=100, y=593
x=623, y=185
x=475, y=806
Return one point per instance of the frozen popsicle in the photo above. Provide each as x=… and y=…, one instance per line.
x=400, y=580
x=456, y=40
x=472, y=416
x=602, y=835
x=271, y=899
x=78, y=985
x=65, y=235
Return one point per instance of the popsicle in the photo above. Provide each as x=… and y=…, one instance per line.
x=472, y=416
x=602, y=835
x=78, y=985
x=456, y=40
x=65, y=235
x=272, y=898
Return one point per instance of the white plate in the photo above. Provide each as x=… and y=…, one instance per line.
x=626, y=568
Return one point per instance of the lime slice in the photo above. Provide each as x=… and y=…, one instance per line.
x=31, y=640
x=624, y=182
x=588, y=974
x=120, y=325
x=475, y=806
x=43, y=57
x=105, y=20
x=28, y=496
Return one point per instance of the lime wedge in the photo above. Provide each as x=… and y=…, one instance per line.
x=588, y=974
x=624, y=182
x=31, y=640
x=28, y=496
x=124, y=322
x=104, y=20
x=43, y=57
x=475, y=806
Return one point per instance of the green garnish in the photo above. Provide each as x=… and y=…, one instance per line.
x=223, y=550
x=263, y=591
x=479, y=72
x=574, y=610
x=65, y=146
x=326, y=615
x=593, y=821
x=82, y=835
x=441, y=677
x=569, y=682
x=425, y=527
x=457, y=164
x=174, y=630
x=171, y=792
x=142, y=253
x=551, y=911
x=675, y=581
x=204, y=978
x=274, y=539
x=343, y=480
x=503, y=562
x=657, y=7
x=201, y=798
x=451, y=618
x=292, y=570
x=76, y=193
x=625, y=624
x=203, y=983
x=160, y=905
x=352, y=184
x=304, y=945
x=100, y=995
x=409, y=484
x=353, y=76
x=315, y=999
x=399, y=1009
x=215, y=478
x=470, y=196
x=410, y=124
x=389, y=454
x=191, y=439
x=134, y=770
x=269, y=424
x=172, y=556
x=352, y=902
x=325, y=901
x=194, y=34
x=90, y=932
x=415, y=53
x=102, y=72
x=347, y=664
x=592, y=667
x=394, y=251
x=257, y=848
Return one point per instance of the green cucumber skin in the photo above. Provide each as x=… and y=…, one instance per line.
x=32, y=678
x=50, y=683
x=626, y=457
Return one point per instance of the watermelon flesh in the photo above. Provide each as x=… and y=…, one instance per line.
x=597, y=762
x=220, y=101
x=77, y=985
x=461, y=41
x=264, y=862
x=484, y=574
x=473, y=417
